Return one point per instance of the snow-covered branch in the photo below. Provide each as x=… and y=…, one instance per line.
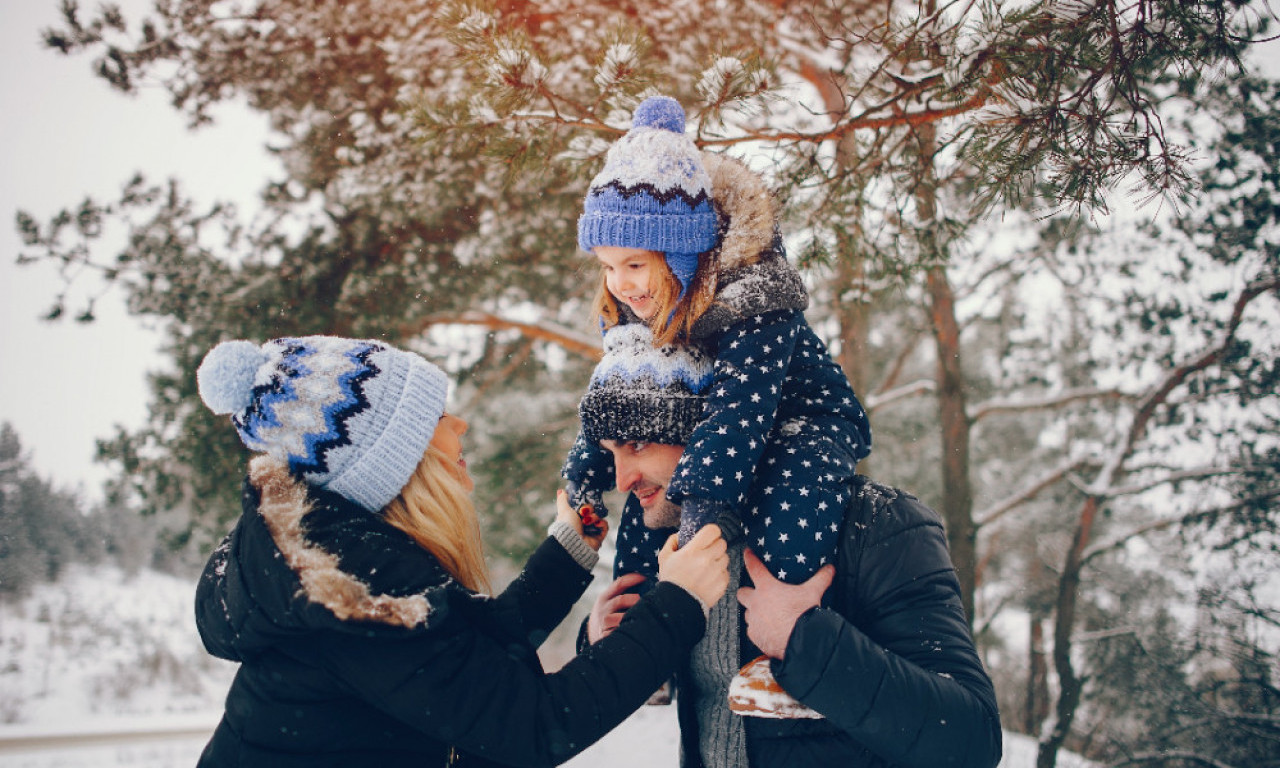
x=1197, y=473
x=881, y=399
x=1189, y=518
x=1028, y=493
x=1065, y=397
x=1167, y=755
x=1160, y=392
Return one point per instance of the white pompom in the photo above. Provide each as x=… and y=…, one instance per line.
x=225, y=377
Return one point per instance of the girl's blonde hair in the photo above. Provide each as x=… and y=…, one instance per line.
x=673, y=321
x=435, y=508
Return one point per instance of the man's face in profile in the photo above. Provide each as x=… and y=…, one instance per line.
x=644, y=470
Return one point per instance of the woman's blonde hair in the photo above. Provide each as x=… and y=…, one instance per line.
x=673, y=321
x=435, y=508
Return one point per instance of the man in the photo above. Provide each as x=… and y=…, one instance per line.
x=876, y=648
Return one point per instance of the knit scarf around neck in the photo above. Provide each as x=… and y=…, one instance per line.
x=722, y=737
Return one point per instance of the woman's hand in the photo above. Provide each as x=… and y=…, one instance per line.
x=700, y=566
x=567, y=515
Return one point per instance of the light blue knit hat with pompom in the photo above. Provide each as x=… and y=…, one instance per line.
x=653, y=192
x=350, y=416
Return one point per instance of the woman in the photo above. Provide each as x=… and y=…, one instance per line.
x=351, y=590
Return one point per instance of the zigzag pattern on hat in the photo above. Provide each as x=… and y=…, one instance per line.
x=698, y=201
x=307, y=427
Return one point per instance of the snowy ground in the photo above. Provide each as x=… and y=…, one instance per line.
x=102, y=653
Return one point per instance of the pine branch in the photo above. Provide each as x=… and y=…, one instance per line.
x=1160, y=393
x=1200, y=473
x=1172, y=754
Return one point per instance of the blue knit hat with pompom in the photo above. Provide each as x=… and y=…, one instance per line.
x=350, y=416
x=653, y=192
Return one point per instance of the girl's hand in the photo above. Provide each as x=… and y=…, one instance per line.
x=700, y=566
x=567, y=515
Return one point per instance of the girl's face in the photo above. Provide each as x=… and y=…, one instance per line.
x=628, y=274
x=448, y=440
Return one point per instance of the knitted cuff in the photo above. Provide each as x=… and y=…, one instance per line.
x=574, y=544
x=706, y=609
x=696, y=513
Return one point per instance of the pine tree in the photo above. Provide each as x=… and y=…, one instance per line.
x=436, y=157
x=42, y=532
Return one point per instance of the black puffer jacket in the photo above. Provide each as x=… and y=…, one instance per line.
x=357, y=649
x=888, y=659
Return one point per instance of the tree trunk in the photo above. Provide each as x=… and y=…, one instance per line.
x=957, y=491
x=1037, y=704
x=854, y=320
x=1070, y=686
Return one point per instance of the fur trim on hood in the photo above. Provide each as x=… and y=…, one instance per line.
x=748, y=272
x=284, y=503
x=746, y=210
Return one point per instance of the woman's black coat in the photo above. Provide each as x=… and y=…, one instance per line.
x=357, y=649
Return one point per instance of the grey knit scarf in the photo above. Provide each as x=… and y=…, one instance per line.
x=722, y=738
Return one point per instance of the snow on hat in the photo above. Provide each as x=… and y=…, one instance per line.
x=653, y=192
x=351, y=416
x=644, y=393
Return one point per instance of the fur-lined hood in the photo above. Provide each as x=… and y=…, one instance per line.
x=304, y=559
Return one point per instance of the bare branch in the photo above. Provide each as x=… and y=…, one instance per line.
x=572, y=341
x=899, y=362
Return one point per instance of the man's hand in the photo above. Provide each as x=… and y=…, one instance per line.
x=612, y=603
x=773, y=606
x=566, y=514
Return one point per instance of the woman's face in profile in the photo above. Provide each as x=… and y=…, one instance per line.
x=448, y=440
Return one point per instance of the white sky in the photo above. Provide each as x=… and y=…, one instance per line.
x=64, y=136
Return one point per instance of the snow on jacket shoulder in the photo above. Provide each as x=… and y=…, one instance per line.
x=358, y=649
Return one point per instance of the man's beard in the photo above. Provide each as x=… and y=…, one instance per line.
x=665, y=514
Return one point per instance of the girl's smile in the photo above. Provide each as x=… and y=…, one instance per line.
x=628, y=274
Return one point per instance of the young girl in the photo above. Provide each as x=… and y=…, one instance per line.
x=351, y=589
x=688, y=244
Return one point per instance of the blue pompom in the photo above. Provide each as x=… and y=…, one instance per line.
x=225, y=377
x=659, y=112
